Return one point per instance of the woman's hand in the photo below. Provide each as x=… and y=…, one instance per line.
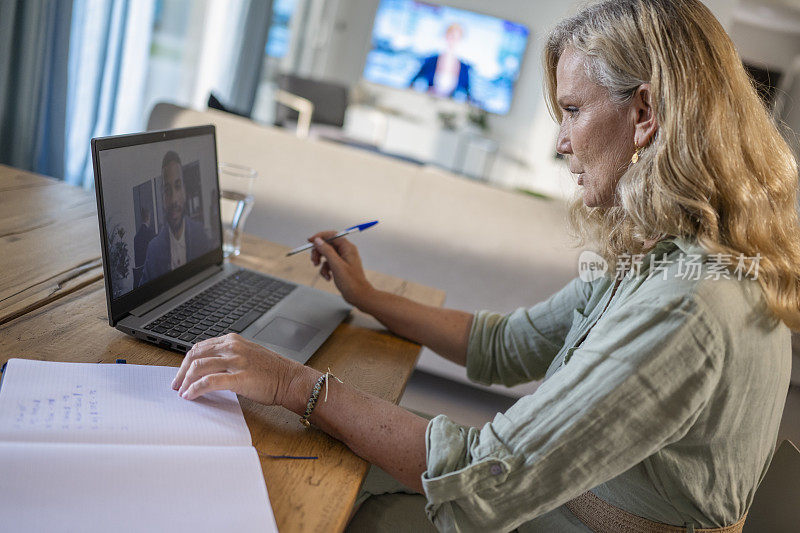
x=233, y=363
x=372, y=427
x=343, y=264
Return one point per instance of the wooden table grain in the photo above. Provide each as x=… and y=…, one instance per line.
x=49, y=241
x=71, y=325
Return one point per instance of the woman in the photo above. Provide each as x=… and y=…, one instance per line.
x=445, y=73
x=662, y=391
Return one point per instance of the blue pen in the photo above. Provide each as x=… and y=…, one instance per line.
x=348, y=231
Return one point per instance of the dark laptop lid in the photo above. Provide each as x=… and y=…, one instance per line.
x=158, y=209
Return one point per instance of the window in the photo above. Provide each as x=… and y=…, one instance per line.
x=279, y=36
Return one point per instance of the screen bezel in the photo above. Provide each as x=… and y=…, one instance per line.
x=120, y=307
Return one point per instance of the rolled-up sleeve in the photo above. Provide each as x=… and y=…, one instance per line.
x=518, y=347
x=637, y=383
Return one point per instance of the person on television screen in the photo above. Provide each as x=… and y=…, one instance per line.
x=445, y=73
x=181, y=239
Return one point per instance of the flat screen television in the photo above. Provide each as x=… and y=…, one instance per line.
x=447, y=52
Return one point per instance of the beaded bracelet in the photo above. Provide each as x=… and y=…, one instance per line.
x=312, y=400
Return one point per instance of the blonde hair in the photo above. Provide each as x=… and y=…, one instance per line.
x=717, y=171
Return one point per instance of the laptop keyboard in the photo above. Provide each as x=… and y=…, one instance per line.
x=230, y=305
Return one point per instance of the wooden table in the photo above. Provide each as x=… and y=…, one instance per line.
x=49, y=241
x=52, y=307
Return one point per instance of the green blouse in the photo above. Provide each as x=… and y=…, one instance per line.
x=668, y=409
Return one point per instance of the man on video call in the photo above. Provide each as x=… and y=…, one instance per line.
x=181, y=239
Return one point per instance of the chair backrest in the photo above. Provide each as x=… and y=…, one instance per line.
x=329, y=99
x=776, y=504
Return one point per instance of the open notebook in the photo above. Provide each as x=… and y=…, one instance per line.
x=95, y=447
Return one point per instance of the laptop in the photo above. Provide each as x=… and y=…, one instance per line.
x=161, y=236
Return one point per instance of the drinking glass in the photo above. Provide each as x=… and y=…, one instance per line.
x=235, y=203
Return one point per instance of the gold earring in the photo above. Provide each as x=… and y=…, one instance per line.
x=635, y=156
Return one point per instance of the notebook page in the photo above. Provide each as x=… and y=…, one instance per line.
x=100, y=488
x=44, y=401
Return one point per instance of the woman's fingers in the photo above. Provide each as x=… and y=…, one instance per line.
x=327, y=234
x=324, y=235
x=209, y=383
x=233, y=363
x=325, y=271
x=202, y=367
x=329, y=253
x=344, y=247
x=201, y=349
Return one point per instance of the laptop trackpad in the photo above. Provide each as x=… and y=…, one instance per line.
x=286, y=333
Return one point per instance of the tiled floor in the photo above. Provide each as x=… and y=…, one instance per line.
x=433, y=395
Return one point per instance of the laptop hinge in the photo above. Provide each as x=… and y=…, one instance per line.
x=175, y=291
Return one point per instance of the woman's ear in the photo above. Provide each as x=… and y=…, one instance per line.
x=645, y=122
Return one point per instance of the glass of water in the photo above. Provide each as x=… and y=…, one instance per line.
x=235, y=203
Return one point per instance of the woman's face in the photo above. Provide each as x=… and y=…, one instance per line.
x=596, y=135
x=453, y=35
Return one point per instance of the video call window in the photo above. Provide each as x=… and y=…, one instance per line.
x=161, y=205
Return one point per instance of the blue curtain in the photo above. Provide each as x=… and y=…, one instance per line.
x=252, y=46
x=70, y=70
x=107, y=72
x=34, y=44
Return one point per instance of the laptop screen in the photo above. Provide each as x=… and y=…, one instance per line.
x=161, y=207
